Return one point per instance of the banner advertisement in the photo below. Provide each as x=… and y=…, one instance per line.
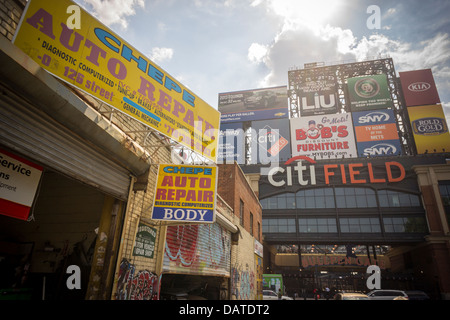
x=231, y=143
x=429, y=128
x=251, y=105
x=97, y=61
x=369, y=92
x=419, y=88
x=185, y=193
x=376, y=133
x=323, y=137
x=270, y=141
x=19, y=181
x=318, y=97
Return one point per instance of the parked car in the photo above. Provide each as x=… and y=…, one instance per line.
x=417, y=295
x=350, y=296
x=382, y=294
x=261, y=99
x=272, y=295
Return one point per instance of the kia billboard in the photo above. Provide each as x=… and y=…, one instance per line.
x=419, y=88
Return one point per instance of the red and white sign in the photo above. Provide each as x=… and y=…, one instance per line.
x=419, y=88
x=19, y=180
x=323, y=137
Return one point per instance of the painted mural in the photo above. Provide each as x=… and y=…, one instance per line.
x=132, y=285
x=197, y=249
x=242, y=283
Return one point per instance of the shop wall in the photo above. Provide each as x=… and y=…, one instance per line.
x=246, y=266
x=62, y=230
x=244, y=271
x=10, y=12
x=128, y=267
x=131, y=267
x=234, y=187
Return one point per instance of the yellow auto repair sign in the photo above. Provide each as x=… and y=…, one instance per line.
x=97, y=61
x=185, y=193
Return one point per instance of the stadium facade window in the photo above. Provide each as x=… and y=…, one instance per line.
x=344, y=197
x=405, y=224
x=279, y=225
x=320, y=225
x=393, y=199
x=360, y=225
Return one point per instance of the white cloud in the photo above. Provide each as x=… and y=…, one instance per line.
x=114, y=11
x=161, y=54
x=297, y=43
x=257, y=52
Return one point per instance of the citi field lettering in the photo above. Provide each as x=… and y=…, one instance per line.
x=339, y=173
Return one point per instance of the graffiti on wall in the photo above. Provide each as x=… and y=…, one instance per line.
x=198, y=249
x=242, y=283
x=132, y=285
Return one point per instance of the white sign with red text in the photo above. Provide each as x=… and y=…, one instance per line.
x=323, y=137
x=19, y=180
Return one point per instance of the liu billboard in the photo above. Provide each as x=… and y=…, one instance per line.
x=318, y=96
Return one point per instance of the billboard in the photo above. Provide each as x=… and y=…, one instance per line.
x=185, y=193
x=369, y=93
x=318, y=96
x=429, y=128
x=231, y=143
x=251, y=105
x=270, y=141
x=376, y=133
x=97, y=61
x=323, y=137
x=19, y=180
x=419, y=88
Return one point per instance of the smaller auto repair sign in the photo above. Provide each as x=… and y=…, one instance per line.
x=185, y=193
x=19, y=180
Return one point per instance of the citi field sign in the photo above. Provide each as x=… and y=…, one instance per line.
x=304, y=171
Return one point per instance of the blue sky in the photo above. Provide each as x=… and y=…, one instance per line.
x=214, y=46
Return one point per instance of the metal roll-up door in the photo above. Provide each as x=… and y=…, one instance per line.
x=34, y=134
x=198, y=249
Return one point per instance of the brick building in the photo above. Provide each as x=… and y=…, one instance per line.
x=247, y=269
x=236, y=190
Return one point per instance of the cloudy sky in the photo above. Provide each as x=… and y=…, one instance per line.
x=214, y=46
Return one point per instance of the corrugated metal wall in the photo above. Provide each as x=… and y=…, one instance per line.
x=34, y=134
x=198, y=249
